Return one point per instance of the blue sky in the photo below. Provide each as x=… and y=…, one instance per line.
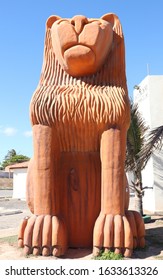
x=22, y=27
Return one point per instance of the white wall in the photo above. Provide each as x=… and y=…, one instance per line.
x=149, y=97
x=142, y=97
x=19, y=183
x=156, y=100
x=148, y=181
x=158, y=180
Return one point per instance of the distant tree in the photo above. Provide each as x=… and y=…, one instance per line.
x=10, y=154
x=12, y=157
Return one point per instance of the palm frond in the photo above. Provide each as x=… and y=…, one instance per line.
x=135, y=138
x=154, y=141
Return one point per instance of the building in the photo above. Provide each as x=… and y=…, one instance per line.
x=149, y=96
x=19, y=179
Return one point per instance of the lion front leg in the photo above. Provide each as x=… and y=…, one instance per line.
x=113, y=229
x=44, y=233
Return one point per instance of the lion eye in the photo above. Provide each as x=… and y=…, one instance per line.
x=73, y=22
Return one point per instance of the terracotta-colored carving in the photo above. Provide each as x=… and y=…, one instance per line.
x=80, y=113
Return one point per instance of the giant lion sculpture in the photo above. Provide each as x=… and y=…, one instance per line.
x=80, y=113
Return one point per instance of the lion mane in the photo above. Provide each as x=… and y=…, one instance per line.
x=91, y=103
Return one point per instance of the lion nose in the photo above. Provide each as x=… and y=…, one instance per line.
x=79, y=22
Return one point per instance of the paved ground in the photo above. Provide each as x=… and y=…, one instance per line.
x=12, y=211
x=4, y=193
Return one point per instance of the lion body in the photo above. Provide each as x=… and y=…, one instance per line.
x=78, y=110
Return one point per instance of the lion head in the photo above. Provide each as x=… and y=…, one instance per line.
x=84, y=47
x=81, y=44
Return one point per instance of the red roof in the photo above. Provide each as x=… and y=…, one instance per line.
x=23, y=164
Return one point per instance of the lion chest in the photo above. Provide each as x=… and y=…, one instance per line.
x=78, y=115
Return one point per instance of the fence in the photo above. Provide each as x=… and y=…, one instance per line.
x=5, y=174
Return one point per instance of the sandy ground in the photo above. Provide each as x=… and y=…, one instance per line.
x=11, y=252
x=12, y=211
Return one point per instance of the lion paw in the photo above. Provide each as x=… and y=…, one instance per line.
x=138, y=229
x=120, y=233
x=43, y=235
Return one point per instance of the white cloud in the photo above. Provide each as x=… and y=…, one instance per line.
x=9, y=131
x=28, y=133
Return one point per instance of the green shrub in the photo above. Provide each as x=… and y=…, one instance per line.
x=9, y=239
x=108, y=256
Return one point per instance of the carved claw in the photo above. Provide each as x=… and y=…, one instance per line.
x=43, y=235
x=137, y=225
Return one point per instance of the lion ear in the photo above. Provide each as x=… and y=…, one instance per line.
x=114, y=20
x=51, y=20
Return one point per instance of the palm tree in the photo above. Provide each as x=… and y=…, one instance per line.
x=135, y=143
x=141, y=144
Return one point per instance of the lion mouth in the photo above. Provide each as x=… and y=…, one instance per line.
x=79, y=54
x=74, y=47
